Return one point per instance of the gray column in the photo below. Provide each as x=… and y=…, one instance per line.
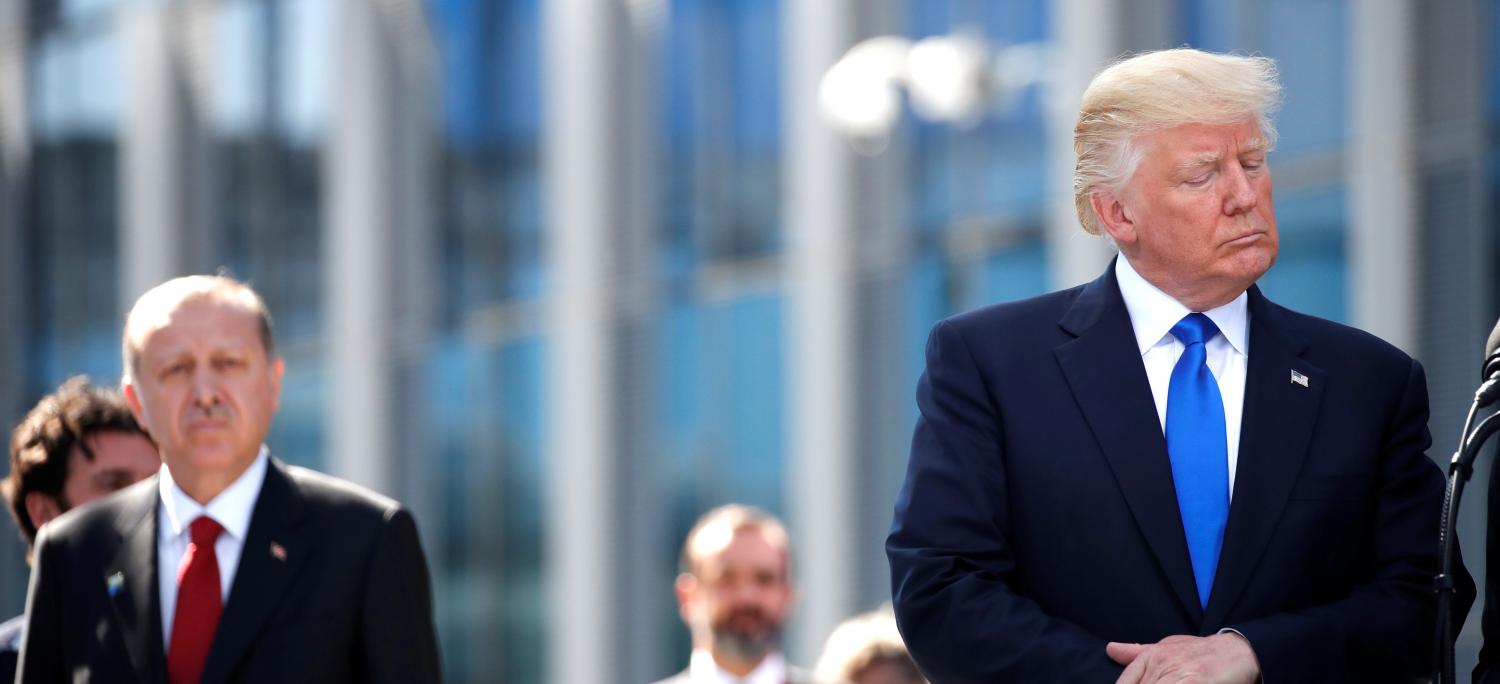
x=580, y=195
x=819, y=215
x=1085, y=38
x=377, y=293
x=15, y=160
x=643, y=627
x=1382, y=172
x=1456, y=302
x=162, y=174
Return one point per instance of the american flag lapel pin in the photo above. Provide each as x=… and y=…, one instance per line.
x=1299, y=379
x=114, y=583
x=278, y=552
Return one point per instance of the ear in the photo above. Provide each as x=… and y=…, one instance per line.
x=278, y=368
x=1114, y=217
x=686, y=588
x=42, y=508
x=134, y=401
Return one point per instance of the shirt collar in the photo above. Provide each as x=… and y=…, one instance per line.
x=231, y=508
x=702, y=669
x=1153, y=312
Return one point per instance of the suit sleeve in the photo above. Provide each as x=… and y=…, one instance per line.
x=41, y=658
x=1386, y=624
x=1489, y=654
x=398, y=642
x=948, y=547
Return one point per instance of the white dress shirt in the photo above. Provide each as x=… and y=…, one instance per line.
x=702, y=669
x=231, y=509
x=1153, y=313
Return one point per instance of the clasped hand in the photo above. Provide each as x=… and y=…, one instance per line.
x=1219, y=659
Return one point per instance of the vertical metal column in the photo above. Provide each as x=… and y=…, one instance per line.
x=376, y=222
x=360, y=220
x=581, y=193
x=15, y=161
x=161, y=163
x=1382, y=171
x=643, y=494
x=1085, y=38
x=1456, y=303
x=822, y=404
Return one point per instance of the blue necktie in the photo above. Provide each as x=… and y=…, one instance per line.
x=1196, y=446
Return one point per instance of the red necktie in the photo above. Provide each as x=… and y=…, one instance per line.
x=199, y=603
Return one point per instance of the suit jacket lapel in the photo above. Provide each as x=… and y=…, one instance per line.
x=131, y=582
x=272, y=554
x=1276, y=427
x=1104, y=369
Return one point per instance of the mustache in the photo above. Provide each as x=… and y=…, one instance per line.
x=209, y=412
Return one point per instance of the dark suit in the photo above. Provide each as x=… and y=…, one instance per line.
x=332, y=586
x=10, y=641
x=1039, y=520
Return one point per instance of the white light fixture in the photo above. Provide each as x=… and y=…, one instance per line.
x=950, y=79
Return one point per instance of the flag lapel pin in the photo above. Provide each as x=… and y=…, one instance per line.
x=278, y=552
x=1299, y=379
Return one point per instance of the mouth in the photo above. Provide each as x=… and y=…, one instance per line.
x=207, y=425
x=1246, y=239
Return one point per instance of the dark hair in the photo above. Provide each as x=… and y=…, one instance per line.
x=41, y=444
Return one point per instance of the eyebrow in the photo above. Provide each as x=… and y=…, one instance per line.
x=1205, y=159
x=1254, y=145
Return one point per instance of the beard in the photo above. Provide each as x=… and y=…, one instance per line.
x=745, y=635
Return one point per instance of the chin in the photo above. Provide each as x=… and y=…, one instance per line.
x=215, y=458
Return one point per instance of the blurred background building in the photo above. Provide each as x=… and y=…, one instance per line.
x=561, y=275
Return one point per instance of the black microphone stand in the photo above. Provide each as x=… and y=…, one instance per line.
x=1459, y=471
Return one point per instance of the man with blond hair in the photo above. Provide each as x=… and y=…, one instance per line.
x=734, y=591
x=228, y=566
x=1161, y=475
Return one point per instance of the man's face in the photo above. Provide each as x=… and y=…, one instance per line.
x=204, y=388
x=1198, y=216
x=739, y=594
x=120, y=460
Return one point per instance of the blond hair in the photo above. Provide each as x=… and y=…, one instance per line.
x=862, y=641
x=1155, y=90
x=152, y=308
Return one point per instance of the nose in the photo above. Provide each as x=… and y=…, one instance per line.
x=1240, y=195
x=205, y=390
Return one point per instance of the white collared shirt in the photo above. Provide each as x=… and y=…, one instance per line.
x=1153, y=313
x=703, y=670
x=231, y=509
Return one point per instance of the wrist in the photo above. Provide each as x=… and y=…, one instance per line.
x=1244, y=648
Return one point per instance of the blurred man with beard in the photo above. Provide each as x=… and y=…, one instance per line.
x=734, y=594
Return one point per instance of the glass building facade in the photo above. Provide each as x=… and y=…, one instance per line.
x=397, y=179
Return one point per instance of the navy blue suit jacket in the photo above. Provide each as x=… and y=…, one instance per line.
x=1038, y=519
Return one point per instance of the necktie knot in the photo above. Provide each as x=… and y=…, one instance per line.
x=205, y=531
x=1194, y=328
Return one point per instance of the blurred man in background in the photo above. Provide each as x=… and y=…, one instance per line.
x=867, y=649
x=78, y=444
x=229, y=565
x=734, y=593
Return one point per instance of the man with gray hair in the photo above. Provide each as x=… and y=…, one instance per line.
x=228, y=565
x=734, y=592
x=1161, y=475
